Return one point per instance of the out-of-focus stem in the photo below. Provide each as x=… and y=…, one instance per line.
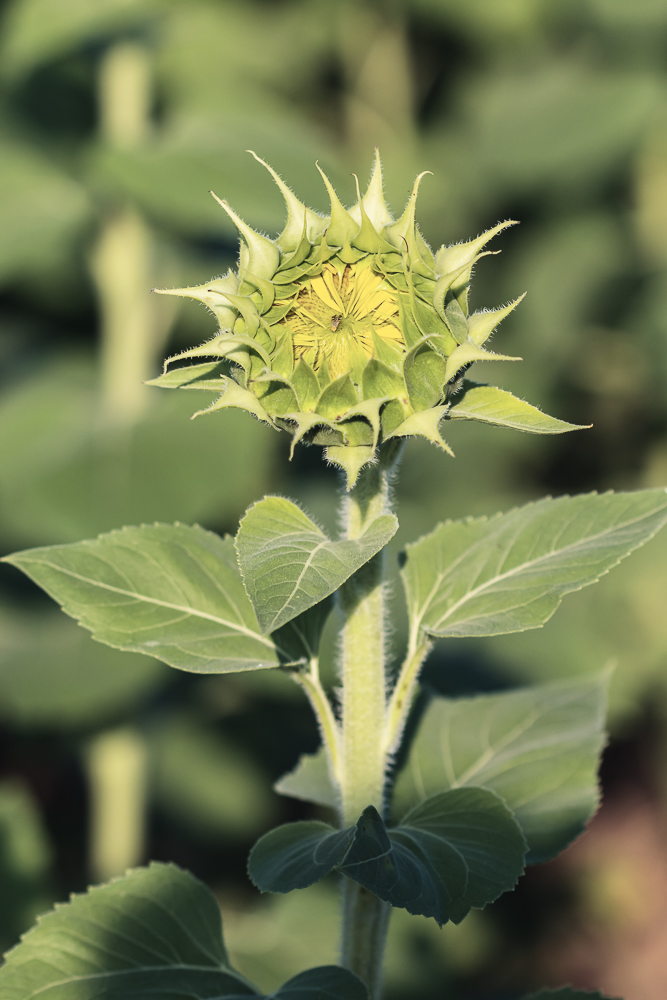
x=133, y=325
x=116, y=764
x=379, y=96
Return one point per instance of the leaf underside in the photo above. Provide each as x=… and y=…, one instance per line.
x=168, y=590
x=289, y=565
x=155, y=932
x=510, y=572
x=538, y=748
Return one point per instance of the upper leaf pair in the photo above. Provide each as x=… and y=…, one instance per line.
x=175, y=592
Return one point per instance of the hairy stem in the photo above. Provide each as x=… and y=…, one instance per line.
x=364, y=760
x=365, y=925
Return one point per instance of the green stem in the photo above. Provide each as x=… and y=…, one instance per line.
x=363, y=657
x=364, y=698
x=365, y=926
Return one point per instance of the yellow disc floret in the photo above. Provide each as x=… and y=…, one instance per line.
x=336, y=313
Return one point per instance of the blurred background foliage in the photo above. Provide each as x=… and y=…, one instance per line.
x=116, y=118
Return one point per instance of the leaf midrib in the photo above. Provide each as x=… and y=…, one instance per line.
x=154, y=600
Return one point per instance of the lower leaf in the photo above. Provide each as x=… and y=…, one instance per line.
x=457, y=850
x=156, y=931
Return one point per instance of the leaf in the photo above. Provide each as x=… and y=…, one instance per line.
x=538, y=748
x=328, y=982
x=309, y=780
x=491, y=405
x=296, y=855
x=509, y=572
x=171, y=591
x=155, y=931
x=289, y=565
x=456, y=850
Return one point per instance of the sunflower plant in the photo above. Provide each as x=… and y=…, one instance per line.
x=348, y=333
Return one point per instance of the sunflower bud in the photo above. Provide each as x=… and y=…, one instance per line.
x=346, y=331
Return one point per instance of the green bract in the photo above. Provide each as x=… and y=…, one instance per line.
x=346, y=330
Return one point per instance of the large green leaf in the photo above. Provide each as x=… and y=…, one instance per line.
x=156, y=931
x=509, y=572
x=537, y=747
x=497, y=406
x=456, y=850
x=171, y=591
x=289, y=564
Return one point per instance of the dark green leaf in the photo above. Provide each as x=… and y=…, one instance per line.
x=538, y=748
x=509, y=572
x=289, y=565
x=456, y=850
x=170, y=591
x=156, y=931
x=328, y=982
x=296, y=855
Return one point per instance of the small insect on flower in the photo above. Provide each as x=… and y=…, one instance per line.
x=335, y=322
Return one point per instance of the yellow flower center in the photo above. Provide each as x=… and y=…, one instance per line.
x=336, y=314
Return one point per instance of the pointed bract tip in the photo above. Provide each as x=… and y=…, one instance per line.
x=264, y=254
x=342, y=226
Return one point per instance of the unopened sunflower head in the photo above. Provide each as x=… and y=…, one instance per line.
x=345, y=331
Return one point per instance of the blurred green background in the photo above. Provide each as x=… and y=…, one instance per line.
x=116, y=118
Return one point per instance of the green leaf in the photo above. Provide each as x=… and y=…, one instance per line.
x=310, y=780
x=170, y=591
x=496, y=406
x=289, y=565
x=566, y=993
x=538, y=748
x=155, y=931
x=328, y=982
x=296, y=855
x=509, y=572
x=456, y=850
